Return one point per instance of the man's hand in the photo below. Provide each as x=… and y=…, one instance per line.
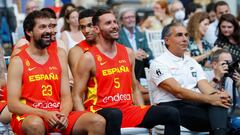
x=141, y=54
x=236, y=77
x=53, y=118
x=63, y=123
x=221, y=98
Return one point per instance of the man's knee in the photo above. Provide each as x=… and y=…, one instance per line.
x=115, y=114
x=33, y=124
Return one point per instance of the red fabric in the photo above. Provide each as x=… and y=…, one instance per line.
x=41, y=82
x=72, y=118
x=84, y=45
x=113, y=87
x=3, y=103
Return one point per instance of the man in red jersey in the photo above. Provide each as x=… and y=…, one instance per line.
x=5, y=115
x=112, y=92
x=38, y=91
x=86, y=27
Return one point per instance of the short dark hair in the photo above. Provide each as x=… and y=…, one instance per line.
x=86, y=13
x=30, y=21
x=220, y=3
x=216, y=54
x=167, y=30
x=99, y=13
x=50, y=11
x=210, y=7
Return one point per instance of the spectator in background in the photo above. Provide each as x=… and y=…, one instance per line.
x=198, y=47
x=229, y=35
x=191, y=9
x=31, y=5
x=177, y=11
x=65, y=8
x=181, y=83
x=131, y=36
x=221, y=7
x=71, y=34
x=221, y=78
x=211, y=12
x=161, y=16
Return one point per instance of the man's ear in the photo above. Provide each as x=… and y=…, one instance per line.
x=29, y=33
x=96, y=29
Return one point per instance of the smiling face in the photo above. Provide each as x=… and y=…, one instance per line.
x=86, y=28
x=41, y=33
x=129, y=19
x=108, y=27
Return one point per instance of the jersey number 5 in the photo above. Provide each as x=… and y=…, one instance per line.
x=116, y=83
x=46, y=90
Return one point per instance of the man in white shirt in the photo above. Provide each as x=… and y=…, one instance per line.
x=221, y=7
x=181, y=84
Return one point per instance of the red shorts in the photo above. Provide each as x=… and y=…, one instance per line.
x=3, y=103
x=133, y=115
x=16, y=124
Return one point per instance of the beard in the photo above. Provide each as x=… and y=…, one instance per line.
x=41, y=43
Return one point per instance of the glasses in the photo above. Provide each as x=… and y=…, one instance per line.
x=129, y=17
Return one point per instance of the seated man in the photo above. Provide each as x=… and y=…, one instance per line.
x=178, y=79
x=38, y=91
x=105, y=74
x=5, y=115
x=224, y=77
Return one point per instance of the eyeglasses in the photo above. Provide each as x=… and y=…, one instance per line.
x=129, y=17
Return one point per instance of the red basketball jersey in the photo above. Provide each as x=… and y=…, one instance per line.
x=41, y=82
x=84, y=45
x=112, y=83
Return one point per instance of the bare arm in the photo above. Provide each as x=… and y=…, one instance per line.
x=137, y=96
x=85, y=68
x=62, y=45
x=14, y=86
x=64, y=39
x=186, y=94
x=66, y=99
x=73, y=57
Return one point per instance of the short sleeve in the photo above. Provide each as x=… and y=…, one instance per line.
x=159, y=72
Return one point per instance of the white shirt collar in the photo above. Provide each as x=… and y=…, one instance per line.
x=174, y=57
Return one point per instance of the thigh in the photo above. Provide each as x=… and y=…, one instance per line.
x=195, y=117
x=72, y=118
x=133, y=115
x=111, y=114
x=82, y=122
x=161, y=115
x=19, y=122
x=5, y=115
